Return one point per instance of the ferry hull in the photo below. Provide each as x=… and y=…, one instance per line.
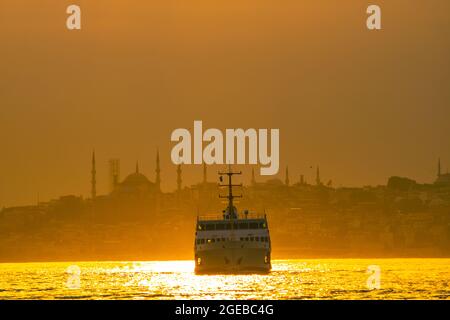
x=233, y=260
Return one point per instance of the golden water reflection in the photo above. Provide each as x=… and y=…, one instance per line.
x=290, y=279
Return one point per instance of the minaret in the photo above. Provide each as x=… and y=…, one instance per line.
x=158, y=172
x=287, y=176
x=114, y=172
x=253, y=177
x=318, y=176
x=439, y=167
x=93, y=181
x=137, y=167
x=205, y=174
x=179, y=181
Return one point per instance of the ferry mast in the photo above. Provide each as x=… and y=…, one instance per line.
x=231, y=213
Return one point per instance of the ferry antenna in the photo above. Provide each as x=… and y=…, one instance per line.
x=232, y=214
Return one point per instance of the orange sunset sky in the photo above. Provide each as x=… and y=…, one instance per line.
x=362, y=104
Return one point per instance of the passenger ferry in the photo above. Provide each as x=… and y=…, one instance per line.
x=235, y=242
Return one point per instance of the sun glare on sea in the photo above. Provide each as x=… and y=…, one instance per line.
x=160, y=267
x=289, y=279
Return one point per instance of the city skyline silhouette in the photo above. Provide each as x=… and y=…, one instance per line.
x=363, y=105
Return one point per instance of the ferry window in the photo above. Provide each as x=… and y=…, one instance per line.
x=218, y=239
x=242, y=239
x=228, y=226
x=253, y=225
x=220, y=226
x=251, y=238
x=243, y=225
x=208, y=240
x=246, y=238
x=213, y=240
x=256, y=238
x=235, y=225
x=201, y=227
x=262, y=225
x=202, y=241
x=198, y=241
x=209, y=226
x=223, y=239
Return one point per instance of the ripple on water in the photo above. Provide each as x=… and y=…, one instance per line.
x=290, y=279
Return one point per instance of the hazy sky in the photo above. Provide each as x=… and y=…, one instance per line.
x=364, y=105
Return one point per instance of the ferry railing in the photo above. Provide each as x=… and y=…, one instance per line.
x=241, y=216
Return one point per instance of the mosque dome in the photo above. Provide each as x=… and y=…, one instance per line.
x=135, y=183
x=135, y=179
